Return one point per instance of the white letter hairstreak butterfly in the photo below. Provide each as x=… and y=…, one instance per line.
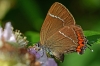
x=59, y=33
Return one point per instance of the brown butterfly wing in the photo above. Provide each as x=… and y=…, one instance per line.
x=57, y=17
x=63, y=41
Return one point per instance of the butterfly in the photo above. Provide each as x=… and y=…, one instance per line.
x=60, y=34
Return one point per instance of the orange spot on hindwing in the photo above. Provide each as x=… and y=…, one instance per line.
x=79, y=48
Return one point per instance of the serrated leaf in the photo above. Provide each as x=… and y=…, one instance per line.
x=93, y=36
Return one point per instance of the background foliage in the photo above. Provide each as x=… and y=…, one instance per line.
x=28, y=16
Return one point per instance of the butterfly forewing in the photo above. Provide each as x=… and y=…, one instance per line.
x=57, y=17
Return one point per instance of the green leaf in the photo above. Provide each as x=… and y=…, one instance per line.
x=93, y=36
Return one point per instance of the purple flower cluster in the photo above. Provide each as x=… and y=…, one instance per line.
x=42, y=57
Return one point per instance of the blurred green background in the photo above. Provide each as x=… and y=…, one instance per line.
x=28, y=16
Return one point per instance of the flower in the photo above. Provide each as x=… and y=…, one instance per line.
x=13, y=36
x=13, y=51
x=42, y=57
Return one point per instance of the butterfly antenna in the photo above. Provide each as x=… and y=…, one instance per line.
x=89, y=47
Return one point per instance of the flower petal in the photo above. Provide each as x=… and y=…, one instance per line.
x=8, y=33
